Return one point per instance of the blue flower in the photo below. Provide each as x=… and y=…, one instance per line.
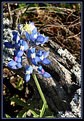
x=28, y=71
x=33, y=36
x=13, y=43
x=42, y=55
x=42, y=72
x=41, y=39
x=31, y=53
x=18, y=59
x=14, y=64
x=21, y=47
x=32, y=56
x=16, y=37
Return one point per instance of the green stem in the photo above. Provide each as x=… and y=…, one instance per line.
x=39, y=89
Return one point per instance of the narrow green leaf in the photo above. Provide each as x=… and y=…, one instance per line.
x=7, y=116
x=21, y=4
x=34, y=113
x=19, y=82
x=19, y=102
x=24, y=115
x=50, y=117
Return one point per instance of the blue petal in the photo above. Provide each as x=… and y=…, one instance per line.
x=16, y=38
x=17, y=45
x=32, y=38
x=46, y=54
x=33, y=50
x=27, y=77
x=32, y=23
x=27, y=35
x=40, y=68
x=19, y=59
x=20, y=53
x=35, y=60
x=14, y=32
x=46, y=75
x=19, y=27
x=24, y=43
x=35, y=30
x=12, y=63
x=37, y=43
x=40, y=72
x=13, y=67
x=20, y=41
x=46, y=61
x=29, y=68
x=40, y=38
x=39, y=53
x=29, y=53
x=19, y=65
x=46, y=39
x=9, y=45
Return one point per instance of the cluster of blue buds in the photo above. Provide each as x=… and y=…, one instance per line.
x=25, y=41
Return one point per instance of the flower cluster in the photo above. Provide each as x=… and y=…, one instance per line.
x=25, y=40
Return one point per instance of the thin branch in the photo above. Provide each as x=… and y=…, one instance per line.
x=75, y=36
x=10, y=12
x=79, y=23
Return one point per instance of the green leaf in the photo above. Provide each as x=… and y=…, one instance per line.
x=19, y=82
x=42, y=110
x=36, y=5
x=34, y=113
x=50, y=117
x=24, y=115
x=21, y=113
x=58, y=10
x=7, y=116
x=21, y=5
x=19, y=102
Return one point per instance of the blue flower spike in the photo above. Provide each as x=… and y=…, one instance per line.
x=26, y=39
